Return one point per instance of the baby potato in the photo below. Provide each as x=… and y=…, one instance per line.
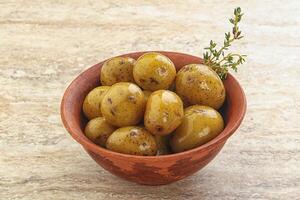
x=123, y=104
x=118, y=69
x=199, y=84
x=132, y=140
x=200, y=125
x=98, y=130
x=162, y=143
x=164, y=112
x=92, y=102
x=154, y=71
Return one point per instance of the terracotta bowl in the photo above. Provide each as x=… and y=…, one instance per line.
x=152, y=170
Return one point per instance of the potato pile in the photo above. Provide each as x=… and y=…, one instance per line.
x=145, y=108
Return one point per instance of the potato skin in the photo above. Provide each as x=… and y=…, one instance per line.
x=92, y=102
x=199, y=84
x=200, y=125
x=164, y=112
x=118, y=69
x=123, y=104
x=98, y=130
x=132, y=140
x=154, y=71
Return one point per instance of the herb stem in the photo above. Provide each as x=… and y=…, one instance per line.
x=217, y=59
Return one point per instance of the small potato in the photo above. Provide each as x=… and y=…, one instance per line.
x=162, y=143
x=132, y=140
x=123, y=104
x=200, y=125
x=199, y=84
x=147, y=94
x=92, y=102
x=164, y=112
x=118, y=69
x=154, y=71
x=98, y=130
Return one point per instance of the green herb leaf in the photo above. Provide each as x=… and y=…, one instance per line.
x=216, y=58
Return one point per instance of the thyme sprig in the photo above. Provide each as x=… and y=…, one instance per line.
x=216, y=58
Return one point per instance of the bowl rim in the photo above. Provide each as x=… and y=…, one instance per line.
x=88, y=144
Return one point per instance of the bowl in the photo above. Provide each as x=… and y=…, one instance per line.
x=150, y=170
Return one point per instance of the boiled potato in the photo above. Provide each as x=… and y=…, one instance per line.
x=200, y=125
x=123, y=104
x=164, y=112
x=132, y=140
x=162, y=143
x=154, y=71
x=199, y=84
x=118, y=69
x=98, y=130
x=92, y=102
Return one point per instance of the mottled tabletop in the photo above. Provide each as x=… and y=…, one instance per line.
x=44, y=45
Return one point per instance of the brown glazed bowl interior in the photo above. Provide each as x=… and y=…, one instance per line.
x=150, y=170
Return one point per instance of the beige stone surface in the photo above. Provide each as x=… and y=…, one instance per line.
x=46, y=44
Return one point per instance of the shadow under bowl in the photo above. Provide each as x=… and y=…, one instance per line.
x=150, y=170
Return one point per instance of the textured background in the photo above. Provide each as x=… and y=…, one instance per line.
x=46, y=44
